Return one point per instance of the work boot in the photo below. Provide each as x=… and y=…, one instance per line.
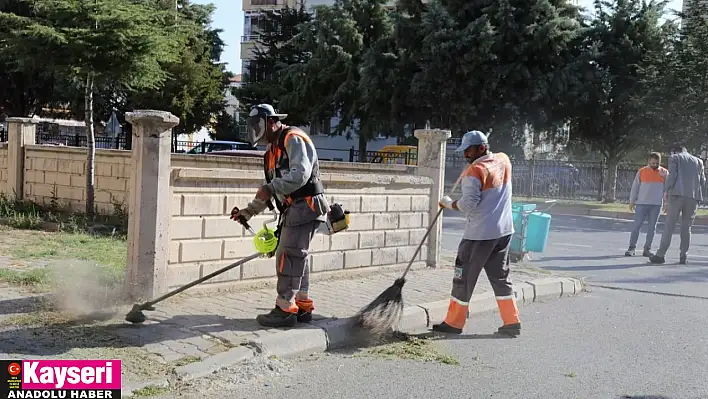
x=647, y=253
x=682, y=260
x=305, y=308
x=629, y=252
x=303, y=316
x=447, y=329
x=277, y=318
x=512, y=330
x=657, y=259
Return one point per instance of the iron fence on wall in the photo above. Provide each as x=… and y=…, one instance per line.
x=409, y=157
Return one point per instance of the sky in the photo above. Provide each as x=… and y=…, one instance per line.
x=229, y=18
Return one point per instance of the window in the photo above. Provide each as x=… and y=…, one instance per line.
x=264, y=2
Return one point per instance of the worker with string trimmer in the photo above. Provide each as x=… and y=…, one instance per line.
x=486, y=201
x=292, y=175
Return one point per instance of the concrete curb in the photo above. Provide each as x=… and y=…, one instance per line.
x=332, y=334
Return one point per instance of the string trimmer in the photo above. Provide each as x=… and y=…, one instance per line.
x=265, y=243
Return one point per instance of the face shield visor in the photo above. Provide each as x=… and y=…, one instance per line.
x=256, y=129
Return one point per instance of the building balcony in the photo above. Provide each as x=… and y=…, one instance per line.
x=249, y=5
x=250, y=38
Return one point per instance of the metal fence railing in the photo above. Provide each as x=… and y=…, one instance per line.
x=409, y=157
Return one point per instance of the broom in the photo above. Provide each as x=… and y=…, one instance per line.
x=386, y=310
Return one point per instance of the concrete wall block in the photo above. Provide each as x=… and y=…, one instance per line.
x=258, y=268
x=72, y=193
x=373, y=203
x=77, y=167
x=174, y=252
x=405, y=254
x=420, y=203
x=183, y=228
x=416, y=236
x=102, y=196
x=199, y=250
x=120, y=170
x=41, y=190
x=423, y=254
x=399, y=203
x=241, y=201
x=111, y=183
x=230, y=275
x=78, y=181
x=371, y=239
x=235, y=248
x=333, y=260
x=384, y=256
x=103, y=169
x=410, y=220
x=34, y=176
x=221, y=227
x=361, y=221
x=179, y=275
x=352, y=203
x=358, y=258
x=344, y=240
x=195, y=204
x=396, y=238
x=320, y=243
x=176, y=205
x=383, y=221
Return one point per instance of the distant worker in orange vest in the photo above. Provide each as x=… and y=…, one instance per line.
x=486, y=201
x=646, y=200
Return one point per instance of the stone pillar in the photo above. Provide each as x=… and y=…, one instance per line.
x=431, y=163
x=149, y=202
x=20, y=132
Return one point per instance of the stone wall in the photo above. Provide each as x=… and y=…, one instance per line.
x=3, y=167
x=53, y=173
x=389, y=211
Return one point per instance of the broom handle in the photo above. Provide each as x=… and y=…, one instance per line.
x=430, y=228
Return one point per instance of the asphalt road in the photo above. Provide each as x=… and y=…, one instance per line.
x=603, y=344
x=639, y=333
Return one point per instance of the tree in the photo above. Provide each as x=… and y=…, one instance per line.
x=273, y=53
x=606, y=104
x=96, y=44
x=494, y=65
x=24, y=89
x=677, y=102
x=343, y=39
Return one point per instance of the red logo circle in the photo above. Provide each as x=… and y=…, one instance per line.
x=14, y=369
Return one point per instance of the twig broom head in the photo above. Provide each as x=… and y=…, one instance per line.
x=384, y=312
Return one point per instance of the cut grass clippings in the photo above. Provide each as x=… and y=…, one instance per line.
x=413, y=348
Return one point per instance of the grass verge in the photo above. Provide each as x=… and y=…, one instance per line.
x=589, y=205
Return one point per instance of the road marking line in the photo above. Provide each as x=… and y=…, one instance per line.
x=573, y=245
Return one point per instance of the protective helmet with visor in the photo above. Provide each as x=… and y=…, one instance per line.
x=257, y=121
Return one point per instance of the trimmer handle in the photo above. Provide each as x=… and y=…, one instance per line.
x=242, y=220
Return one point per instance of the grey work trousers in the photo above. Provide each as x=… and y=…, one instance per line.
x=685, y=208
x=292, y=264
x=472, y=257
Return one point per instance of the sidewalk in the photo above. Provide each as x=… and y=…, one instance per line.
x=185, y=333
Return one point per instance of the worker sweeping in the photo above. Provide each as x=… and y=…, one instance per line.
x=292, y=177
x=486, y=202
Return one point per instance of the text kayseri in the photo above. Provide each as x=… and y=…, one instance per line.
x=72, y=375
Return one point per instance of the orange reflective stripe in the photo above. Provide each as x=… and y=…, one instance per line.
x=291, y=308
x=649, y=175
x=508, y=311
x=305, y=304
x=281, y=263
x=299, y=133
x=272, y=156
x=456, y=314
x=310, y=203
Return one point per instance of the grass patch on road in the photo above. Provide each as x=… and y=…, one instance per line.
x=589, y=205
x=421, y=349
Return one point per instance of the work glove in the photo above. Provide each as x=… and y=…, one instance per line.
x=264, y=193
x=254, y=208
x=632, y=207
x=446, y=202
